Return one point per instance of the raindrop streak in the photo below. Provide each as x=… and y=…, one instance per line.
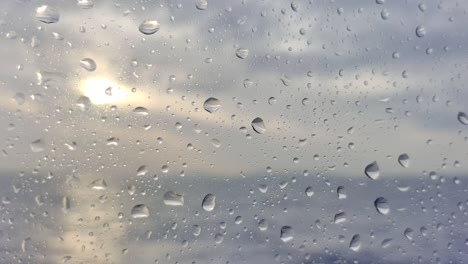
x=140, y=211
x=355, y=244
x=209, y=202
x=242, y=53
x=172, y=198
x=286, y=233
x=381, y=205
x=149, y=27
x=47, y=14
x=372, y=171
x=258, y=125
x=420, y=31
x=212, y=105
x=404, y=160
x=462, y=118
x=140, y=111
x=88, y=64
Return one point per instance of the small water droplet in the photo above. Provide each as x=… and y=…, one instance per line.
x=262, y=225
x=149, y=27
x=37, y=145
x=309, y=191
x=140, y=211
x=83, y=103
x=209, y=202
x=88, y=64
x=372, y=171
x=258, y=125
x=212, y=105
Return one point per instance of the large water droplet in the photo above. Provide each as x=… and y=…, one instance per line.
x=140, y=111
x=420, y=31
x=258, y=125
x=381, y=204
x=88, y=64
x=149, y=27
x=209, y=202
x=140, y=211
x=172, y=198
x=340, y=218
x=295, y=6
x=263, y=225
x=287, y=233
x=408, y=233
x=86, y=4
x=142, y=170
x=99, y=184
x=404, y=160
x=47, y=14
x=202, y=4
x=355, y=243
x=463, y=118
x=372, y=171
x=212, y=105
x=218, y=238
x=242, y=53
x=37, y=145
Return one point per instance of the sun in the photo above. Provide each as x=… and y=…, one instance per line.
x=103, y=91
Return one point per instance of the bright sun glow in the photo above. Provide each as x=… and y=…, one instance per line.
x=103, y=91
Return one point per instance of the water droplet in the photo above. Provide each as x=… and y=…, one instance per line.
x=99, y=184
x=258, y=125
x=295, y=6
x=309, y=192
x=218, y=238
x=372, y=171
x=242, y=53
x=404, y=160
x=381, y=205
x=202, y=4
x=88, y=64
x=65, y=204
x=196, y=230
x=47, y=14
x=83, y=103
x=463, y=118
x=272, y=100
x=212, y=105
x=142, y=171
x=172, y=198
x=140, y=111
x=37, y=145
x=355, y=244
x=386, y=243
x=408, y=233
x=385, y=14
x=209, y=202
x=262, y=225
x=340, y=218
x=140, y=211
x=149, y=27
x=286, y=233
x=86, y=4
x=341, y=192
x=420, y=31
